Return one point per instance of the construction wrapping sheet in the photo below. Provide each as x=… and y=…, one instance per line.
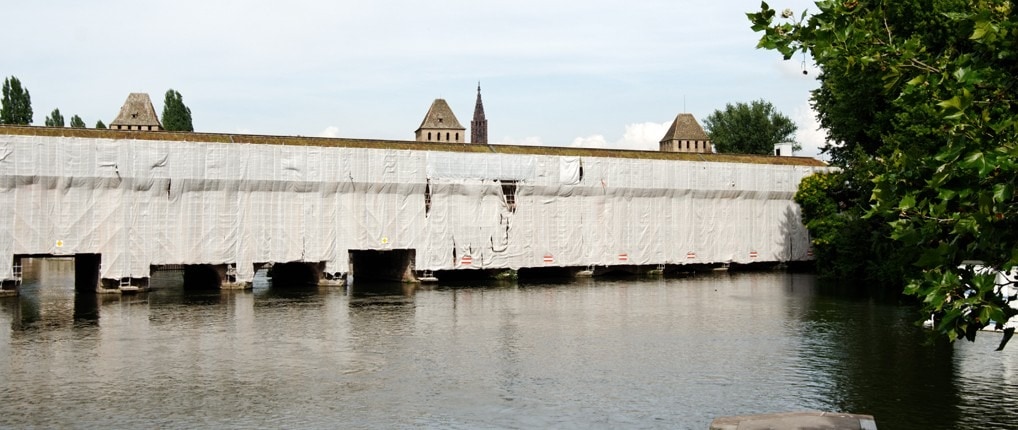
x=140, y=203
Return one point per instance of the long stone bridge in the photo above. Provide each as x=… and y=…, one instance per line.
x=125, y=203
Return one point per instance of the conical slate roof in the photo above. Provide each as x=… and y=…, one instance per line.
x=440, y=116
x=478, y=106
x=685, y=127
x=137, y=110
x=479, y=126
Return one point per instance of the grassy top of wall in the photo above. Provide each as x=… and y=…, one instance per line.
x=398, y=145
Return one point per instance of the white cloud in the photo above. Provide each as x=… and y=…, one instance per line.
x=809, y=134
x=645, y=136
x=592, y=141
x=330, y=131
x=642, y=136
x=526, y=141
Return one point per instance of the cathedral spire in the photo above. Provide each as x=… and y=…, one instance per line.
x=479, y=126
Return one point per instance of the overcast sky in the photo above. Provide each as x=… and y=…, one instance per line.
x=593, y=73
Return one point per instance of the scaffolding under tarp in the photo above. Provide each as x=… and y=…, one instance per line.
x=141, y=202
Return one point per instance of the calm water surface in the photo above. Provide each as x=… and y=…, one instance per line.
x=671, y=353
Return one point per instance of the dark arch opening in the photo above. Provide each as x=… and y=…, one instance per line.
x=201, y=277
x=294, y=275
x=392, y=265
x=546, y=274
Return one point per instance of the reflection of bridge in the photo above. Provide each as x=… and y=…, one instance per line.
x=125, y=203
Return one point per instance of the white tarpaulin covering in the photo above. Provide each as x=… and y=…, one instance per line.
x=140, y=203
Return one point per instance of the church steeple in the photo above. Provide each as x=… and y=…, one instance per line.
x=479, y=126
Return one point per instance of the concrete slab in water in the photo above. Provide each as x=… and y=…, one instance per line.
x=796, y=421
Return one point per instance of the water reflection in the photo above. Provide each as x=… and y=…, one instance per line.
x=597, y=353
x=381, y=289
x=86, y=309
x=868, y=356
x=43, y=303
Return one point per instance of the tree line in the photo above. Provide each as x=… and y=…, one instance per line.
x=16, y=109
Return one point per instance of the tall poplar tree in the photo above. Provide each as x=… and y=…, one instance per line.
x=77, y=122
x=176, y=115
x=55, y=119
x=100, y=124
x=16, y=107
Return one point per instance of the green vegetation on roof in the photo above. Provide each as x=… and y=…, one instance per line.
x=400, y=145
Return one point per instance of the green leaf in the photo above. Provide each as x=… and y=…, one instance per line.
x=932, y=257
x=978, y=161
x=961, y=73
x=966, y=226
x=907, y=202
x=952, y=103
x=1003, y=193
x=938, y=180
x=984, y=315
x=984, y=29
x=979, y=31
x=996, y=314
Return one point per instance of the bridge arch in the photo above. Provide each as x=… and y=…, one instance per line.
x=295, y=274
x=386, y=265
x=202, y=277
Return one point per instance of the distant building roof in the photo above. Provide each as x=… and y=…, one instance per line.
x=685, y=127
x=137, y=111
x=440, y=116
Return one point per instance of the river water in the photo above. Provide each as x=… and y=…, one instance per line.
x=667, y=353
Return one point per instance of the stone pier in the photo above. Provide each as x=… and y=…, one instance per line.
x=9, y=287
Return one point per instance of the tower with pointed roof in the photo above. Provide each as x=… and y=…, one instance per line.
x=440, y=125
x=479, y=126
x=686, y=135
x=137, y=113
